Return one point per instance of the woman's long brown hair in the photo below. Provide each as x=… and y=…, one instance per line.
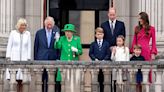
x=144, y=16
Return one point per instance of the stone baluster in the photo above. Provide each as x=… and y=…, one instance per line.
x=1, y=80
x=107, y=80
x=13, y=83
x=132, y=80
x=82, y=72
x=26, y=81
x=146, y=83
x=6, y=83
x=77, y=79
x=38, y=78
x=51, y=81
x=87, y=84
x=119, y=81
x=63, y=73
x=94, y=83
x=158, y=82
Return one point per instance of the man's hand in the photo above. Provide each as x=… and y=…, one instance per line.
x=57, y=36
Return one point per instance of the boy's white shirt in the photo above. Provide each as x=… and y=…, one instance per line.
x=122, y=54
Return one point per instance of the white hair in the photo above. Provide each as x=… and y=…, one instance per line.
x=49, y=19
x=20, y=22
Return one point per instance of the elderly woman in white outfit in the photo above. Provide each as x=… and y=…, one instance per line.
x=19, y=49
x=19, y=43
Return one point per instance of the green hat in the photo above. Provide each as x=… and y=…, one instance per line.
x=69, y=27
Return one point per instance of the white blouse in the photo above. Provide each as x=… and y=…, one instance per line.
x=19, y=46
x=122, y=54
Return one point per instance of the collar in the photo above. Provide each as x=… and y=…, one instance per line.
x=136, y=55
x=120, y=47
x=47, y=30
x=69, y=39
x=114, y=22
x=20, y=32
x=100, y=40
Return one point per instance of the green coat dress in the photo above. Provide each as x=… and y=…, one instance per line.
x=66, y=53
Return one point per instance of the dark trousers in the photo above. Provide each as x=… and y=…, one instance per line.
x=101, y=80
x=19, y=86
x=139, y=87
x=58, y=86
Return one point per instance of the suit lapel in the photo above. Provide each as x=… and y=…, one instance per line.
x=115, y=28
x=108, y=25
x=45, y=38
x=52, y=37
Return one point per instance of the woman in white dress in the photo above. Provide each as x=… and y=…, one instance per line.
x=19, y=49
x=19, y=43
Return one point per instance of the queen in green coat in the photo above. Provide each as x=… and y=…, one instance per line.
x=70, y=45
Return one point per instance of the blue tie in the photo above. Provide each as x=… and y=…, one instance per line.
x=99, y=44
x=49, y=38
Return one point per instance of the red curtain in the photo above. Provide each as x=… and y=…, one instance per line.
x=44, y=10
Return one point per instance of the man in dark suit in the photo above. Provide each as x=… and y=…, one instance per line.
x=112, y=29
x=44, y=41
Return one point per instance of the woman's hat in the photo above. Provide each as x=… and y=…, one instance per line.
x=69, y=27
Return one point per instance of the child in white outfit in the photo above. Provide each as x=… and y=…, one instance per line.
x=119, y=53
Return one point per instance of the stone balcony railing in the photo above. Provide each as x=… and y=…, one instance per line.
x=80, y=76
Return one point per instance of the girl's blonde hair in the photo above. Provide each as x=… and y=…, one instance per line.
x=20, y=22
x=123, y=38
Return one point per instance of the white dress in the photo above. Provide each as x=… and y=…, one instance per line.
x=122, y=54
x=19, y=46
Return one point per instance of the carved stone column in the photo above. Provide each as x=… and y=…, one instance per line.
x=51, y=81
x=158, y=82
x=119, y=87
x=94, y=82
x=26, y=80
x=107, y=80
x=13, y=83
x=145, y=80
x=1, y=80
x=132, y=80
x=82, y=80
x=63, y=73
x=38, y=78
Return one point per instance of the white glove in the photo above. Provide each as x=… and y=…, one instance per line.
x=57, y=36
x=74, y=49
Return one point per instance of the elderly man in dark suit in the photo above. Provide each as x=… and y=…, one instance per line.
x=112, y=29
x=44, y=41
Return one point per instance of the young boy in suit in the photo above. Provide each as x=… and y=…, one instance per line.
x=99, y=51
x=137, y=54
x=137, y=57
